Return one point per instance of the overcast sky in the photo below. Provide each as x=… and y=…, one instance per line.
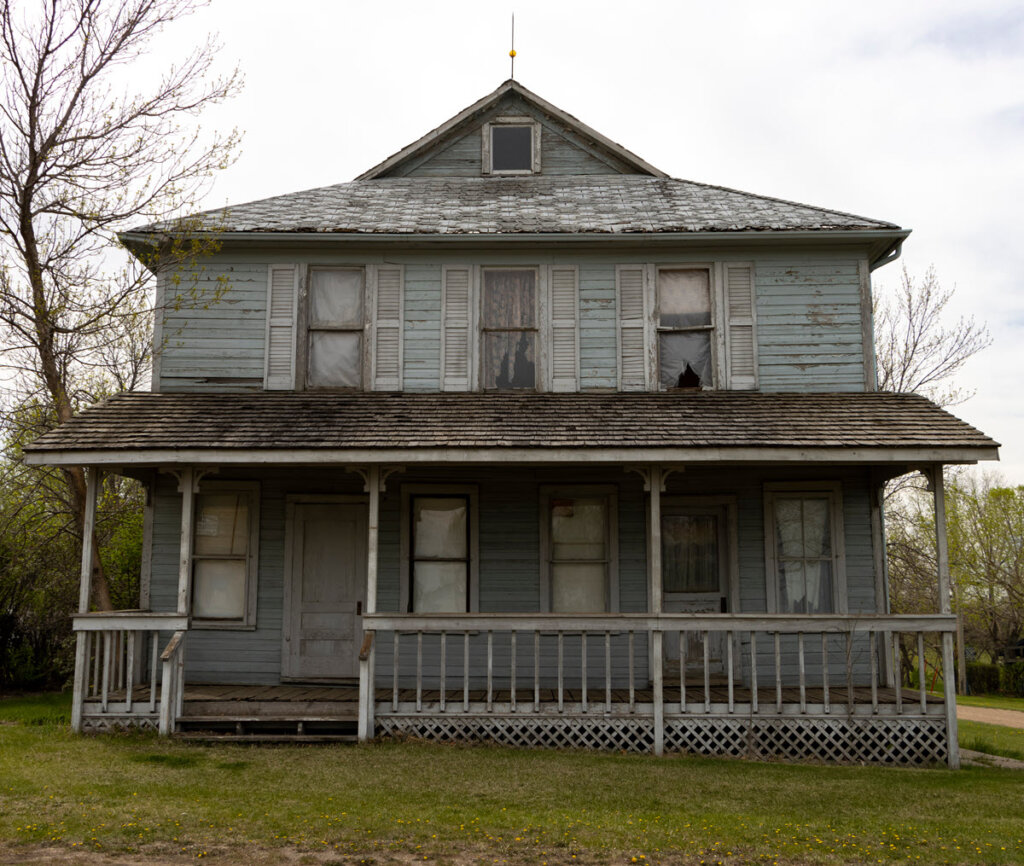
x=911, y=112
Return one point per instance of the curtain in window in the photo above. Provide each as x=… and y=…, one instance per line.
x=440, y=554
x=220, y=554
x=579, y=555
x=509, y=320
x=804, y=553
x=689, y=553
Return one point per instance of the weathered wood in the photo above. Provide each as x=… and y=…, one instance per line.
x=949, y=693
x=129, y=620
x=186, y=486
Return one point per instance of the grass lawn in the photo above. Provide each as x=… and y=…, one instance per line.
x=995, y=702
x=63, y=796
x=994, y=739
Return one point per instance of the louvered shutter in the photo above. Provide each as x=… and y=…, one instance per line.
x=455, y=328
x=632, y=354
x=564, y=340
x=282, y=299
x=387, y=348
x=741, y=336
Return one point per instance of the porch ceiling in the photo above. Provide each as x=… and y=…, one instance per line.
x=680, y=427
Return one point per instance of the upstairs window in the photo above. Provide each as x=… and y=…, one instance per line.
x=509, y=324
x=684, y=327
x=511, y=145
x=337, y=322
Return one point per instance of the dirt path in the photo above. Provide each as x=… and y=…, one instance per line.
x=1008, y=718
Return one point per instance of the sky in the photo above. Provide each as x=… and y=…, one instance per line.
x=911, y=112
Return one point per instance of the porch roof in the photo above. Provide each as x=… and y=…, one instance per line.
x=322, y=427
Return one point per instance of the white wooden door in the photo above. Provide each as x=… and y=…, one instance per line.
x=694, y=579
x=326, y=590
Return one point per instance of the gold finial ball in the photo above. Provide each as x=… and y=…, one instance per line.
x=512, y=53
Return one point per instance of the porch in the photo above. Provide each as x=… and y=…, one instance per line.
x=790, y=687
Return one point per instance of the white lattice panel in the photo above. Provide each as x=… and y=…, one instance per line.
x=631, y=735
x=103, y=724
x=874, y=741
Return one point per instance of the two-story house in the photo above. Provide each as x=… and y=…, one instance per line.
x=515, y=437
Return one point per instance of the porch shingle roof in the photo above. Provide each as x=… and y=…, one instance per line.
x=611, y=204
x=310, y=421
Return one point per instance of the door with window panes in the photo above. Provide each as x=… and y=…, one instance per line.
x=694, y=577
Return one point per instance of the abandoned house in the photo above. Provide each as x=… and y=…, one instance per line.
x=515, y=437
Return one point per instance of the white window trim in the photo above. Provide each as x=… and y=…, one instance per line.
x=408, y=492
x=535, y=141
x=541, y=327
x=718, y=306
x=367, y=354
x=248, y=622
x=557, y=491
x=778, y=490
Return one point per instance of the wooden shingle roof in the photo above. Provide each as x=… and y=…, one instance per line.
x=292, y=427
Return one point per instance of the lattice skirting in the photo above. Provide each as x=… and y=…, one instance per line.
x=632, y=735
x=102, y=724
x=876, y=741
x=841, y=740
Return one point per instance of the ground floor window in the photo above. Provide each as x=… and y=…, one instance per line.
x=804, y=548
x=579, y=550
x=224, y=548
x=440, y=549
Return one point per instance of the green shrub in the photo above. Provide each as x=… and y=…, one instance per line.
x=1011, y=679
x=982, y=678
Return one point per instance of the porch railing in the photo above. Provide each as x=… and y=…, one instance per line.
x=662, y=669
x=129, y=670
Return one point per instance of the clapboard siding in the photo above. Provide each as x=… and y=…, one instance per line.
x=809, y=325
x=598, y=346
x=509, y=565
x=422, y=331
x=562, y=153
x=213, y=328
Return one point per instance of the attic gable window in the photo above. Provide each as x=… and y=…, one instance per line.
x=511, y=145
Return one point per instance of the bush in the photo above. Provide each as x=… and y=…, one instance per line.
x=982, y=678
x=1011, y=679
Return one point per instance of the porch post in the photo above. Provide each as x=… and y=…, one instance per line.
x=367, y=690
x=882, y=576
x=92, y=480
x=655, y=482
x=186, y=485
x=942, y=557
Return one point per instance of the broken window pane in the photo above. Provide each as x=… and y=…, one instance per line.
x=336, y=297
x=683, y=355
x=335, y=359
x=511, y=148
x=509, y=359
x=689, y=545
x=509, y=299
x=684, y=298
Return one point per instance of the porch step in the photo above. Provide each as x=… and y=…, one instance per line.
x=261, y=729
x=207, y=737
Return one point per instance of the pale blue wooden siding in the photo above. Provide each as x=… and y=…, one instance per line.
x=809, y=325
x=509, y=534
x=422, y=330
x=598, y=338
x=561, y=152
x=213, y=334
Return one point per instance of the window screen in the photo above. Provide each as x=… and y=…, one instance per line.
x=439, y=554
x=511, y=148
x=579, y=554
x=220, y=555
x=336, y=319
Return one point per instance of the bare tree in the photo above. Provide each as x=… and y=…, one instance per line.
x=917, y=350
x=83, y=155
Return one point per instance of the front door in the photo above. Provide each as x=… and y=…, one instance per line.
x=325, y=591
x=694, y=574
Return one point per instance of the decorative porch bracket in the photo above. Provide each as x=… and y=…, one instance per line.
x=374, y=483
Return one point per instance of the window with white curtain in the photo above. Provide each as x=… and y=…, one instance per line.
x=684, y=327
x=337, y=321
x=579, y=549
x=508, y=319
x=804, y=544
